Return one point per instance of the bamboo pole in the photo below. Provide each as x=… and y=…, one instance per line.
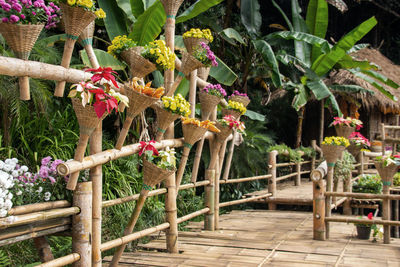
x=37, y=216
x=230, y=156
x=361, y=221
x=193, y=215
x=272, y=182
x=240, y=201
x=193, y=185
x=96, y=175
x=131, y=225
x=297, y=181
x=386, y=213
x=71, y=258
x=313, y=159
x=222, y=157
x=216, y=193
x=19, y=210
x=192, y=93
x=181, y=169
x=82, y=224
x=43, y=248
x=363, y=195
x=347, y=187
x=246, y=179
x=171, y=215
x=318, y=210
x=209, y=201
x=113, y=202
x=328, y=202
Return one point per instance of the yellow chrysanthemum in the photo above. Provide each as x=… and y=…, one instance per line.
x=100, y=13
x=71, y=2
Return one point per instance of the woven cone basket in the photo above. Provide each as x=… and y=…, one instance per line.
x=208, y=103
x=241, y=99
x=153, y=175
x=225, y=131
x=234, y=113
x=354, y=149
x=171, y=6
x=344, y=131
x=87, y=34
x=203, y=73
x=387, y=172
x=164, y=117
x=189, y=63
x=332, y=152
x=193, y=43
x=76, y=19
x=140, y=67
x=192, y=133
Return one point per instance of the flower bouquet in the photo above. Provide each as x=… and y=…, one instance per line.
x=209, y=97
x=140, y=97
x=387, y=167
x=194, y=37
x=332, y=147
x=92, y=100
x=235, y=109
x=157, y=166
x=77, y=15
x=357, y=142
x=345, y=126
x=193, y=131
x=168, y=110
x=21, y=23
x=240, y=97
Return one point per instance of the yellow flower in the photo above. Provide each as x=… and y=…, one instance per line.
x=100, y=13
x=71, y=2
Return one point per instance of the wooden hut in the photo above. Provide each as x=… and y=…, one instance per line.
x=371, y=109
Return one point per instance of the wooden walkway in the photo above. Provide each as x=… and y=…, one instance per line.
x=265, y=238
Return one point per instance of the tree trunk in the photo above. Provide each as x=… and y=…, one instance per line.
x=299, y=131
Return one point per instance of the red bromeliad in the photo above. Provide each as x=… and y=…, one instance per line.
x=147, y=146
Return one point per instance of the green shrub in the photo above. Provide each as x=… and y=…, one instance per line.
x=396, y=179
x=343, y=167
x=368, y=184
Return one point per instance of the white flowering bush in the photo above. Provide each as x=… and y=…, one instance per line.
x=18, y=186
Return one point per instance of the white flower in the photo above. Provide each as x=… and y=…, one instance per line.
x=20, y=172
x=47, y=196
x=1, y=202
x=19, y=193
x=10, y=196
x=28, y=175
x=2, y=164
x=15, y=173
x=24, y=168
x=8, y=161
x=40, y=189
x=7, y=167
x=3, y=213
x=14, y=160
x=8, y=204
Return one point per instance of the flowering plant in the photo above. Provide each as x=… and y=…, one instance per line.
x=336, y=141
x=359, y=140
x=205, y=55
x=209, y=125
x=29, y=12
x=389, y=159
x=88, y=5
x=162, y=159
x=119, y=44
x=146, y=89
x=197, y=33
x=237, y=93
x=239, y=107
x=97, y=91
x=230, y=121
x=176, y=104
x=214, y=89
x=351, y=122
x=161, y=55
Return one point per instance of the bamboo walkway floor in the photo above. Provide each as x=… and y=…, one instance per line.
x=265, y=238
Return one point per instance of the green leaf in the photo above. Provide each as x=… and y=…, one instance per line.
x=349, y=88
x=149, y=25
x=347, y=62
x=301, y=97
x=251, y=16
x=326, y=62
x=223, y=74
x=322, y=44
x=115, y=21
x=104, y=58
x=137, y=7
x=255, y=116
x=52, y=39
x=302, y=49
x=382, y=78
x=269, y=58
x=289, y=24
x=125, y=5
x=183, y=88
x=148, y=3
x=197, y=8
x=317, y=22
x=158, y=79
x=319, y=89
x=357, y=48
x=179, y=44
x=232, y=34
x=335, y=105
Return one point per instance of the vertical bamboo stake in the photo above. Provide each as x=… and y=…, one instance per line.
x=272, y=181
x=66, y=60
x=229, y=159
x=181, y=169
x=82, y=224
x=209, y=201
x=313, y=145
x=386, y=214
x=318, y=210
x=328, y=202
x=192, y=93
x=43, y=249
x=361, y=161
x=396, y=216
x=297, y=181
x=171, y=215
x=216, y=193
x=96, y=176
x=347, y=187
x=221, y=158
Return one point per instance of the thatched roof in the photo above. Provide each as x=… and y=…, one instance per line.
x=387, y=68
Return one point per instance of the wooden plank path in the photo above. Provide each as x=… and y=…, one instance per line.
x=265, y=238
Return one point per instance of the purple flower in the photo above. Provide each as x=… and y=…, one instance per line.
x=6, y=7
x=52, y=180
x=46, y=160
x=17, y=7
x=34, y=13
x=22, y=16
x=14, y=18
x=4, y=20
x=44, y=172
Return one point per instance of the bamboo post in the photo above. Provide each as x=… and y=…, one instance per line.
x=297, y=181
x=96, y=176
x=396, y=215
x=319, y=210
x=347, y=187
x=386, y=213
x=222, y=157
x=43, y=249
x=361, y=161
x=82, y=224
x=216, y=193
x=328, y=202
x=192, y=93
x=313, y=159
x=171, y=215
x=230, y=156
x=131, y=225
x=65, y=62
x=272, y=182
x=209, y=201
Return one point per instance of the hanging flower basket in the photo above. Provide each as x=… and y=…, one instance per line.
x=386, y=172
x=225, y=131
x=354, y=149
x=234, y=113
x=241, y=99
x=192, y=133
x=208, y=103
x=203, y=73
x=344, y=131
x=153, y=175
x=192, y=43
x=21, y=38
x=332, y=153
x=86, y=37
x=140, y=67
x=164, y=119
x=171, y=7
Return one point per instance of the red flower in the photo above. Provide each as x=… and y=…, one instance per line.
x=397, y=156
x=103, y=102
x=106, y=73
x=148, y=146
x=370, y=216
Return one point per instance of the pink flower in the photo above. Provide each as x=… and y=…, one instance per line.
x=370, y=216
x=14, y=18
x=4, y=20
x=46, y=160
x=22, y=16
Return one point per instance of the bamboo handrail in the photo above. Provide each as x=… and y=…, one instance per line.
x=362, y=195
x=122, y=200
x=286, y=176
x=129, y=238
x=193, y=185
x=246, y=179
x=361, y=221
x=19, y=210
x=71, y=258
x=192, y=215
x=285, y=164
x=37, y=216
x=240, y=201
x=338, y=203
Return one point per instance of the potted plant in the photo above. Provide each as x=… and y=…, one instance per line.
x=236, y=109
x=21, y=24
x=209, y=97
x=357, y=142
x=368, y=184
x=240, y=97
x=364, y=230
x=194, y=37
x=345, y=126
x=332, y=147
x=387, y=166
x=376, y=146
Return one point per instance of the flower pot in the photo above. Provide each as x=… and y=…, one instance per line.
x=140, y=67
x=153, y=175
x=171, y=7
x=225, y=131
x=189, y=63
x=203, y=73
x=233, y=113
x=354, y=149
x=344, y=131
x=208, y=103
x=164, y=119
x=332, y=153
x=363, y=232
x=193, y=43
x=241, y=99
x=387, y=172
